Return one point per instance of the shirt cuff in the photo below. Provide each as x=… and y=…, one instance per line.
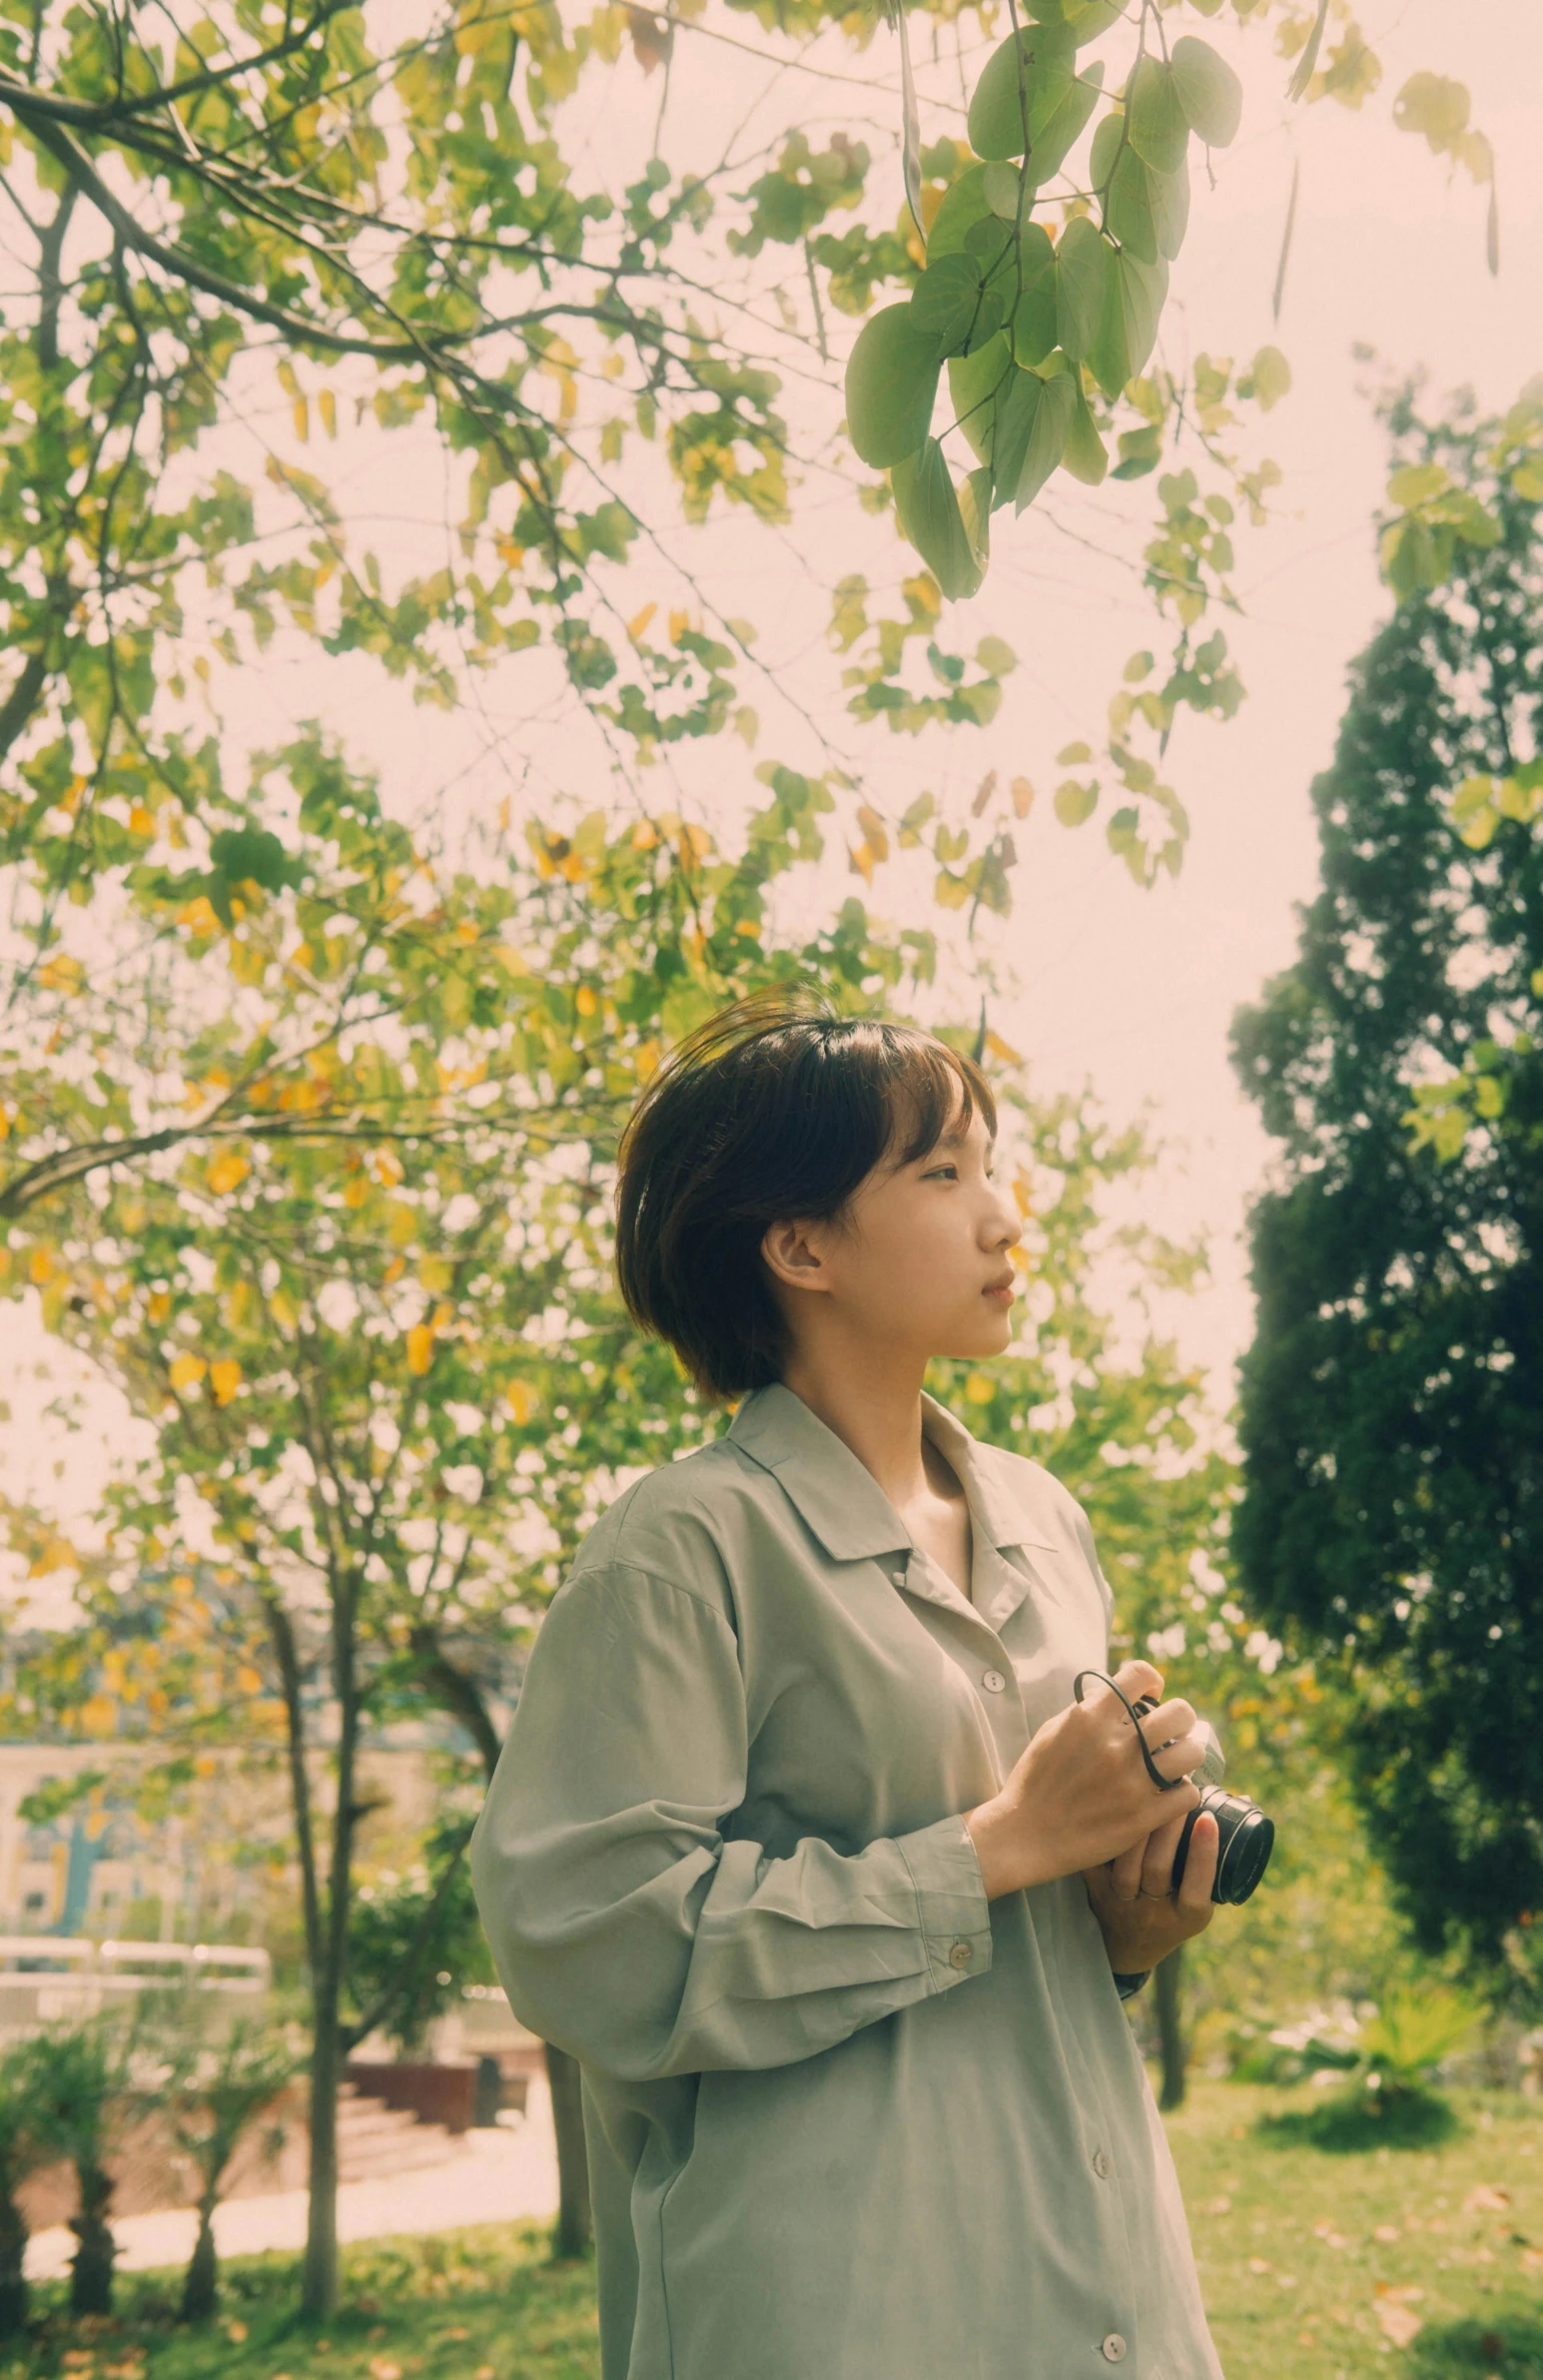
x=952, y=1912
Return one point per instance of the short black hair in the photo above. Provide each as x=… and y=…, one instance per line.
x=774, y=1111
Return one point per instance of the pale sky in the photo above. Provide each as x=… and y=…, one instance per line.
x=1133, y=992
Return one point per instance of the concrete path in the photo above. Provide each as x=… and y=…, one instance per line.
x=494, y=2177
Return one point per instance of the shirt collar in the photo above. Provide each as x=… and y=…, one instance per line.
x=840, y=1499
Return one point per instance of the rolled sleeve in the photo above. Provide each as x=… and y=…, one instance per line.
x=627, y=1929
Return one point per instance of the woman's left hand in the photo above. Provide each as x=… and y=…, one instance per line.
x=1133, y=1897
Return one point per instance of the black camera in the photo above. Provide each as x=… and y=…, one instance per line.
x=1247, y=1836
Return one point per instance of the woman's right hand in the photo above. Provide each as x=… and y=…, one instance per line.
x=1081, y=1794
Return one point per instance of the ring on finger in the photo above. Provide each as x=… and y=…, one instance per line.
x=1142, y=1893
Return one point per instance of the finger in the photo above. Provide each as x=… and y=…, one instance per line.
x=1200, y=1868
x=1156, y=1877
x=1137, y=1679
x=1175, y=1739
x=1124, y=1873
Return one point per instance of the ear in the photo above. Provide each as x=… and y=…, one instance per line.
x=792, y=1251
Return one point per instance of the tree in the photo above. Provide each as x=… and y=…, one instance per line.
x=210, y=2081
x=80, y=2076
x=1390, y=1415
x=213, y=203
x=22, y=2149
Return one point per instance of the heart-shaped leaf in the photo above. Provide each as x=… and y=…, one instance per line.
x=1034, y=321
x=964, y=203
x=1085, y=455
x=927, y=510
x=1032, y=416
x=1208, y=91
x=1054, y=138
x=892, y=381
x=1158, y=129
x=973, y=384
x=1082, y=262
x=1133, y=296
x=1021, y=84
x=945, y=300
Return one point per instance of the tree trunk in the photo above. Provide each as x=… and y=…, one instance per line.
x=201, y=2282
x=14, y=2294
x=91, y=2271
x=574, y=2228
x=1168, y=1983
x=318, y=2287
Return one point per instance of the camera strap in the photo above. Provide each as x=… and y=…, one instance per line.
x=1134, y=1710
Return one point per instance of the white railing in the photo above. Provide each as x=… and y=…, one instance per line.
x=64, y=1974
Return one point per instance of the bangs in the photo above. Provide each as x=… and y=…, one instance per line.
x=931, y=1089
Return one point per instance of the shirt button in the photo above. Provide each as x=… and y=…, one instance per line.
x=1101, y=2164
x=962, y=1954
x=1114, y=2348
x=993, y=1681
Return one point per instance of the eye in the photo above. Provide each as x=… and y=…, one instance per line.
x=949, y=1172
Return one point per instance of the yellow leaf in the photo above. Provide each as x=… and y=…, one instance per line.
x=61, y=973
x=636, y=625
x=224, y=1379
x=40, y=1266
x=585, y=1001
x=1022, y=797
x=520, y=1401
x=435, y=1274
x=227, y=1171
x=187, y=1370
x=250, y=1679
x=140, y=822
x=326, y=406
x=979, y=1389
x=648, y=1057
x=420, y=1348
x=355, y=1190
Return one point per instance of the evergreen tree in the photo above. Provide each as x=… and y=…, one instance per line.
x=1393, y=1400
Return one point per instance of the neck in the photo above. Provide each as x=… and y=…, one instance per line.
x=872, y=1399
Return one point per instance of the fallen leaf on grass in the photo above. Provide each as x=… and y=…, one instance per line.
x=382, y=2369
x=1387, y=2233
x=1487, y=2199
x=1218, y=2206
x=236, y=2332
x=1258, y=2264
x=1395, y=2319
x=1329, y=2236
x=1532, y=2259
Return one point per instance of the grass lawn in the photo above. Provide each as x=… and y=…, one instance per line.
x=1419, y=2264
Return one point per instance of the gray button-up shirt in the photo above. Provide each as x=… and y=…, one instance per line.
x=846, y=2118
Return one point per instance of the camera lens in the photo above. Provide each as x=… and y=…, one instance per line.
x=1242, y=1855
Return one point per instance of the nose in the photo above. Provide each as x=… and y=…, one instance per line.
x=1005, y=1224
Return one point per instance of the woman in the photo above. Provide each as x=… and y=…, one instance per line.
x=800, y=1842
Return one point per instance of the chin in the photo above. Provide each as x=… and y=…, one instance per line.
x=992, y=1334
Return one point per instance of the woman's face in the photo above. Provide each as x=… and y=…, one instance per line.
x=920, y=1259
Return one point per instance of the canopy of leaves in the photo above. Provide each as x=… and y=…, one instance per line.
x=1392, y=1412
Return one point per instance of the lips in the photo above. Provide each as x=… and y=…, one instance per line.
x=1005, y=1287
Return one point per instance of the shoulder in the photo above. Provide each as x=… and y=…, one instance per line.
x=680, y=1524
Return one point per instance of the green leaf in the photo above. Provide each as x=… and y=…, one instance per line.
x=1085, y=20
x=1081, y=267
x=1128, y=211
x=1158, y=129
x=964, y=204
x=974, y=512
x=1025, y=77
x=1075, y=802
x=1268, y=379
x=1034, y=321
x=1208, y=91
x=944, y=301
x=1134, y=297
x=1032, y=418
x=1054, y=138
x=927, y=510
x=972, y=380
x=1085, y=456
x=892, y=381
x=1141, y=451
